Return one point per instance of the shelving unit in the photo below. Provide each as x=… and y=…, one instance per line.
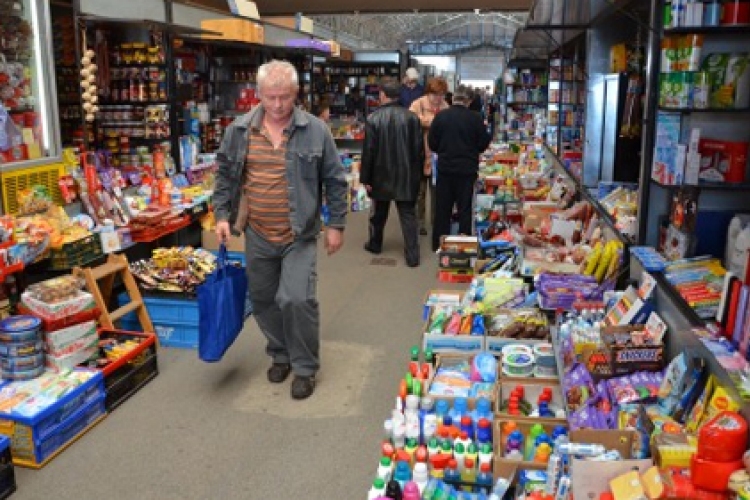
x=566, y=98
x=335, y=80
x=716, y=201
x=523, y=101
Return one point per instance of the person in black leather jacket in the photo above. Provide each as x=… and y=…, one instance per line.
x=392, y=163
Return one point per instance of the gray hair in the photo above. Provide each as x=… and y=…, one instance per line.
x=276, y=73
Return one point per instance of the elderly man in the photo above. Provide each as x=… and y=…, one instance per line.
x=273, y=165
x=411, y=90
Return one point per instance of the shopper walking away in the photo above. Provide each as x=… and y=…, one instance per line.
x=392, y=165
x=426, y=108
x=411, y=90
x=273, y=163
x=458, y=136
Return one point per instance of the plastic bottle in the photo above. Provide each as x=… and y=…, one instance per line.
x=485, y=454
x=554, y=468
x=439, y=462
x=429, y=426
x=535, y=431
x=393, y=490
x=484, y=478
x=430, y=489
x=388, y=429
x=411, y=449
x=420, y=476
x=441, y=410
x=508, y=428
x=514, y=443
x=412, y=491
x=414, y=361
x=483, y=409
x=484, y=431
x=467, y=426
x=502, y=486
x=542, y=453
x=583, y=449
x=472, y=453
x=452, y=474
x=460, y=408
x=421, y=455
x=433, y=447
x=446, y=449
x=460, y=454
x=469, y=474
x=377, y=489
x=385, y=469
x=558, y=431
x=402, y=474
x=399, y=436
x=563, y=490
x=462, y=439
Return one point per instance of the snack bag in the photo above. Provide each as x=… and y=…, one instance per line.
x=720, y=401
x=696, y=413
x=673, y=384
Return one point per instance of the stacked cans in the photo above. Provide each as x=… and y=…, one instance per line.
x=21, y=348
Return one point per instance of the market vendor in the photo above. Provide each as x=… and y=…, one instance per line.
x=274, y=163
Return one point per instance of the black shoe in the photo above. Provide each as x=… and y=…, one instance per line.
x=279, y=372
x=423, y=231
x=372, y=249
x=412, y=264
x=302, y=387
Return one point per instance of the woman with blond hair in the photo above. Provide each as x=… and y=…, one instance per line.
x=426, y=107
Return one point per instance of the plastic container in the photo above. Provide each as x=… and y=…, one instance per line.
x=735, y=13
x=175, y=320
x=29, y=348
x=38, y=437
x=518, y=361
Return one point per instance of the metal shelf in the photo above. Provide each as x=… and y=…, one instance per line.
x=709, y=186
x=707, y=110
x=708, y=30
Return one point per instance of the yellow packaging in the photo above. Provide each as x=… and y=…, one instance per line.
x=628, y=487
x=699, y=408
x=652, y=483
x=720, y=401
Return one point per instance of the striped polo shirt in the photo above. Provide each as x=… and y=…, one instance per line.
x=266, y=187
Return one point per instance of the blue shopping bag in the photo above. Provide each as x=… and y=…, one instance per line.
x=222, y=300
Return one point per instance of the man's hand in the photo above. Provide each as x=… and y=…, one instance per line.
x=222, y=231
x=334, y=240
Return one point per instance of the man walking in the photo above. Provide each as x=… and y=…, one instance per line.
x=411, y=90
x=273, y=165
x=458, y=136
x=392, y=162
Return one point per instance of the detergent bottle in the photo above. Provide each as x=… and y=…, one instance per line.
x=412, y=491
x=402, y=474
x=393, y=490
x=484, y=431
x=484, y=478
x=452, y=474
x=377, y=490
x=469, y=475
x=467, y=426
x=420, y=476
x=385, y=469
x=485, y=454
x=460, y=455
x=535, y=431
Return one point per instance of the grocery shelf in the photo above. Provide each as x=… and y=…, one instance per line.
x=710, y=186
x=707, y=110
x=708, y=30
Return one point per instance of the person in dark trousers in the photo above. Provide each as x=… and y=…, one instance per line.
x=458, y=136
x=392, y=162
x=411, y=90
x=275, y=163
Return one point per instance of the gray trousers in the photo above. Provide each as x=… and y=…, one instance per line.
x=409, y=227
x=283, y=281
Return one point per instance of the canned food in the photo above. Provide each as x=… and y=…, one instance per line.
x=29, y=348
x=22, y=328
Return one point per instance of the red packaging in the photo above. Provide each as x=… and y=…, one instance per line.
x=712, y=476
x=722, y=161
x=723, y=438
x=735, y=12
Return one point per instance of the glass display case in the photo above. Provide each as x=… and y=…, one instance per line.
x=29, y=131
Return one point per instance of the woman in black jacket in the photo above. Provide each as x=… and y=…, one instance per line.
x=392, y=163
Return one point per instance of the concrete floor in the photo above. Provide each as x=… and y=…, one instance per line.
x=221, y=431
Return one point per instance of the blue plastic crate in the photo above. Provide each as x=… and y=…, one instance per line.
x=175, y=320
x=35, y=438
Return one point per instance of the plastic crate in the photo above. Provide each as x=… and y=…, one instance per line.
x=63, y=435
x=127, y=375
x=36, y=439
x=7, y=472
x=175, y=320
x=18, y=180
x=76, y=253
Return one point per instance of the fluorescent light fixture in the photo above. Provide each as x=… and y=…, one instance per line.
x=38, y=35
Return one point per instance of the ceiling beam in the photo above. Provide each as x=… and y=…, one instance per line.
x=291, y=7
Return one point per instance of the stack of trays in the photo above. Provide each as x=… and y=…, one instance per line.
x=21, y=348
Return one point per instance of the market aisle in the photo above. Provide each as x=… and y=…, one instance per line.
x=222, y=431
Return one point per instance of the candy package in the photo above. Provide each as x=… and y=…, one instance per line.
x=578, y=387
x=673, y=384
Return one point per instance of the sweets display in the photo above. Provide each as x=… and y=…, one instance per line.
x=179, y=269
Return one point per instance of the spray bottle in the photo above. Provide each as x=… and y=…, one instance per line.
x=420, y=476
x=385, y=469
x=412, y=491
x=377, y=490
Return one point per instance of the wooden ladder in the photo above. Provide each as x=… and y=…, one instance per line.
x=105, y=273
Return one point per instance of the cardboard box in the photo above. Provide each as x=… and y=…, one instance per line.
x=613, y=360
x=524, y=427
x=472, y=402
x=589, y=479
x=532, y=390
x=240, y=30
x=211, y=242
x=535, y=212
x=433, y=298
x=722, y=161
x=457, y=252
x=258, y=34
